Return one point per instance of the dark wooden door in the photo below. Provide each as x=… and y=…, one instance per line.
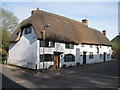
x=56, y=61
x=104, y=57
x=84, y=57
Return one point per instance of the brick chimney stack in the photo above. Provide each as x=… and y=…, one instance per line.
x=85, y=21
x=104, y=32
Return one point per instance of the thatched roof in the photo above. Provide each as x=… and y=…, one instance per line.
x=62, y=29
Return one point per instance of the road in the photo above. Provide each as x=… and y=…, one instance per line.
x=102, y=75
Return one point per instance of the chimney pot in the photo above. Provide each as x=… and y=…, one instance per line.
x=37, y=9
x=85, y=21
x=104, y=32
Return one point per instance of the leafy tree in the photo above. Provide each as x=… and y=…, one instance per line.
x=5, y=36
x=8, y=21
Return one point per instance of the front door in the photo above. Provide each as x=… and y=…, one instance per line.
x=84, y=57
x=56, y=61
x=104, y=57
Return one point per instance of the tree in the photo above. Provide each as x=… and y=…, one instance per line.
x=5, y=36
x=8, y=21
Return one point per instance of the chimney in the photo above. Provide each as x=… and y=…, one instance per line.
x=104, y=32
x=37, y=9
x=85, y=21
x=32, y=12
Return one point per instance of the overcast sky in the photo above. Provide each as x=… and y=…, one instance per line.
x=100, y=15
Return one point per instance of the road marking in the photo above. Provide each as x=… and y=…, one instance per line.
x=20, y=81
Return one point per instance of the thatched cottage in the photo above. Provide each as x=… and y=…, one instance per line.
x=67, y=42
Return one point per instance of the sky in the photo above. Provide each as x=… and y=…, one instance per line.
x=100, y=15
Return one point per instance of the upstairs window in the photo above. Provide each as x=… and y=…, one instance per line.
x=51, y=44
x=82, y=45
x=47, y=57
x=91, y=55
x=91, y=46
x=69, y=58
x=28, y=30
x=69, y=46
x=47, y=43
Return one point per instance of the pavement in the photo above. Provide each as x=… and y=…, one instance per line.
x=102, y=75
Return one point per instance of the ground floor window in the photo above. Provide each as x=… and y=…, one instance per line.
x=47, y=57
x=108, y=55
x=91, y=55
x=100, y=56
x=69, y=58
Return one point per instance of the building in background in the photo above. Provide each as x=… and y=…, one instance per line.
x=116, y=47
x=68, y=42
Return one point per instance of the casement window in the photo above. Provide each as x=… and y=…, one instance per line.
x=82, y=45
x=81, y=54
x=47, y=57
x=97, y=49
x=41, y=43
x=91, y=55
x=51, y=44
x=108, y=55
x=69, y=46
x=69, y=58
x=28, y=30
x=91, y=46
x=100, y=56
x=47, y=43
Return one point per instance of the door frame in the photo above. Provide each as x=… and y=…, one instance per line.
x=57, y=54
x=104, y=56
x=84, y=57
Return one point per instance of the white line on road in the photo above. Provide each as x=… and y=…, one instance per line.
x=20, y=81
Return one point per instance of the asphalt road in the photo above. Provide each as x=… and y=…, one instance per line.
x=102, y=75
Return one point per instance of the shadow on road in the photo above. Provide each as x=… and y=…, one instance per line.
x=9, y=84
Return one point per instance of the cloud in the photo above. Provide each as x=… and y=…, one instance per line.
x=60, y=0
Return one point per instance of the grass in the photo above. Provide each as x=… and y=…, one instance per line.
x=2, y=61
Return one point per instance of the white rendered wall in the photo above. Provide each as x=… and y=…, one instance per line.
x=60, y=47
x=27, y=50
x=24, y=51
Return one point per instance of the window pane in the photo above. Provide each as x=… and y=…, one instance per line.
x=91, y=46
x=46, y=43
x=52, y=44
x=91, y=55
x=82, y=45
x=27, y=30
x=69, y=58
x=41, y=58
x=100, y=56
x=41, y=43
x=52, y=58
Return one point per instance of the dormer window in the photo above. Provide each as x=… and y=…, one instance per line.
x=27, y=30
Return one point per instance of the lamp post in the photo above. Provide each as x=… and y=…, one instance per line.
x=48, y=25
